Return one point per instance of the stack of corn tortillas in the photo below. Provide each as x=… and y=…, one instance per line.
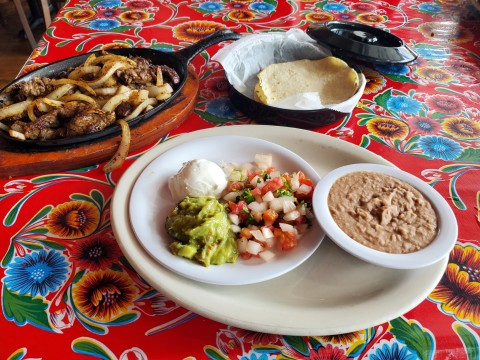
x=331, y=78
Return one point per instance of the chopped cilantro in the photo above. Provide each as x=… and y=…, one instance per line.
x=247, y=196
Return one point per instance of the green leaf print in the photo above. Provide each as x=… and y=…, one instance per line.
x=25, y=309
x=213, y=353
x=18, y=354
x=91, y=347
x=469, y=339
x=469, y=155
x=98, y=197
x=412, y=335
x=381, y=99
x=298, y=343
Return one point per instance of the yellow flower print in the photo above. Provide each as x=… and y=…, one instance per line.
x=196, y=30
x=435, y=75
x=103, y=295
x=462, y=128
x=73, y=220
x=388, y=128
x=80, y=14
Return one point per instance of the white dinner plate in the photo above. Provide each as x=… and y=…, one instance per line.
x=332, y=292
x=151, y=202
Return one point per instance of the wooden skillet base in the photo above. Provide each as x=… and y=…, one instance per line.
x=15, y=162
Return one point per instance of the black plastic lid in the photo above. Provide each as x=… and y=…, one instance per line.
x=362, y=42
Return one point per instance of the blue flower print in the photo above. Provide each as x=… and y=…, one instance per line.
x=439, y=147
x=211, y=6
x=393, y=69
x=393, y=352
x=429, y=8
x=221, y=107
x=404, y=104
x=37, y=273
x=262, y=6
x=253, y=356
x=109, y=3
x=104, y=24
x=335, y=7
x=432, y=54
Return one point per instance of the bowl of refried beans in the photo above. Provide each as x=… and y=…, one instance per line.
x=385, y=216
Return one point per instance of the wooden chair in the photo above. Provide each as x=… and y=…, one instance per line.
x=26, y=25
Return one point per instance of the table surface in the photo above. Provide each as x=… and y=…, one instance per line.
x=424, y=118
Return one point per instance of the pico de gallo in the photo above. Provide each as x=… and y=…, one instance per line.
x=268, y=209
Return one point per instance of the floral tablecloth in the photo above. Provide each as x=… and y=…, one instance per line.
x=67, y=290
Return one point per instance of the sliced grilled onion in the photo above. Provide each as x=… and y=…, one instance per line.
x=14, y=109
x=122, y=151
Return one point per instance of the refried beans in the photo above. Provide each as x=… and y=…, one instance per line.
x=382, y=212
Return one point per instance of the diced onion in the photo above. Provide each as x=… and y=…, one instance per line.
x=263, y=161
x=234, y=219
x=294, y=183
x=235, y=175
x=242, y=245
x=277, y=203
x=257, y=207
x=304, y=189
x=287, y=228
x=275, y=174
x=267, y=255
x=231, y=196
x=258, y=235
x=254, y=247
x=288, y=206
x=268, y=196
x=267, y=232
x=292, y=215
x=302, y=209
x=235, y=228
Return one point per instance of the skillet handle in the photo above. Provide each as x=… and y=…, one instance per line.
x=218, y=36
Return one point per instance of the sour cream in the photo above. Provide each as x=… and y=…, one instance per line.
x=197, y=178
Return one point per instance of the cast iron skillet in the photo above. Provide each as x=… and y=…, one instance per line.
x=178, y=60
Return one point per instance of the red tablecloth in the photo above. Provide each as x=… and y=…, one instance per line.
x=56, y=297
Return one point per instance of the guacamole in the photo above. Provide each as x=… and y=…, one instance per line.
x=202, y=231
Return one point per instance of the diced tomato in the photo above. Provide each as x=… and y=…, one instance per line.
x=257, y=191
x=235, y=186
x=253, y=173
x=272, y=185
x=237, y=208
x=245, y=233
x=287, y=240
x=303, y=180
x=271, y=169
x=269, y=217
x=300, y=220
x=246, y=255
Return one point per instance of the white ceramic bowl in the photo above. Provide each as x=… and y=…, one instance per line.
x=435, y=251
